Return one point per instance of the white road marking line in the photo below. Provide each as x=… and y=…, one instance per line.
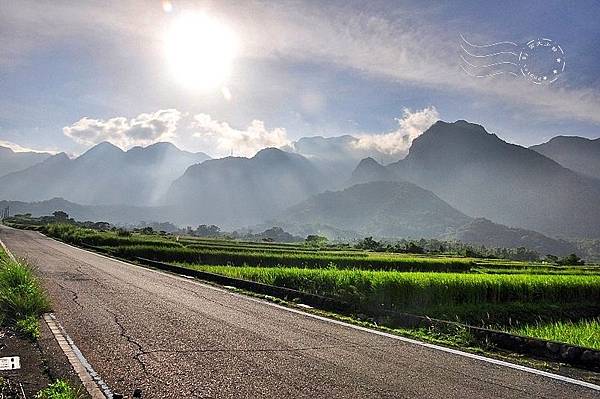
x=10, y=255
x=92, y=382
x=364, y=329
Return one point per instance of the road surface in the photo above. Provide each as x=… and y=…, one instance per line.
x=176, y=338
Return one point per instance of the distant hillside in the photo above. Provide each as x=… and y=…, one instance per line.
x=483, y=176
x=116, y=214
x=243, y=191
x=11, y=161
x=369, y=170
x=576, y=153
x=403, y=210
x=492, y=235
x=385, y=209
x=103, y=175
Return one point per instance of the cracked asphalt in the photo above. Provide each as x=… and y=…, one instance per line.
x=176, y=338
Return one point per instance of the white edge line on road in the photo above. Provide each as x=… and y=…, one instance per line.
x=10, y=255
x=365, y=329
x=90, y=380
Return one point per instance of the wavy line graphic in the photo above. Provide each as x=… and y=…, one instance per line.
x=488, y=65
x=488, y=74
x=485, y=45
x=487, y=55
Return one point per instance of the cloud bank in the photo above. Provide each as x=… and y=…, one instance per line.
x=143, y=130
x=192, y=132
x=224, y=139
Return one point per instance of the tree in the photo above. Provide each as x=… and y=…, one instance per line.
x=101, y=226
x=413, y=248
x=60, y=215
x=208, y=231
x=368, y=243
x=571, y=260
x=147, y=230
x=316, y=240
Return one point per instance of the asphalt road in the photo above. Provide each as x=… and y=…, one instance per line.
x=176, y=338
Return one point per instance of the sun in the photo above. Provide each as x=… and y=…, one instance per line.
x=200, y=51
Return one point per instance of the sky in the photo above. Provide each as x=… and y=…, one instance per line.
x=233, y=77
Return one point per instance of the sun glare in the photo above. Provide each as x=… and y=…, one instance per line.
x=200, y=50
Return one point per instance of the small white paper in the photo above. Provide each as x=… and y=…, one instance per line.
x=10, y=363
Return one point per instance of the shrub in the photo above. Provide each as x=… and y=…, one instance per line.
x=59, y=390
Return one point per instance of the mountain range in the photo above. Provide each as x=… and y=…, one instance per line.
x=457, y=182
x=11, y=161
x=576, y=153
x=236, y=191
x=483, y=176
x=104, y=175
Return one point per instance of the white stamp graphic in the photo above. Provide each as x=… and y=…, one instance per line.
x=539, y=61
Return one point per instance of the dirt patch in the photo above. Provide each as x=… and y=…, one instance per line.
x=42, y=362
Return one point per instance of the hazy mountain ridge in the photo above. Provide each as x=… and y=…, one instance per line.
x=11, y=161
x=403, y=210
x=483, y=176
x=237, y=191
x=387, y=209
x=481, y=231
x=103, y=175
x=576, y=153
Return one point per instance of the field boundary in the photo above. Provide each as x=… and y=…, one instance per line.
x=549, y=350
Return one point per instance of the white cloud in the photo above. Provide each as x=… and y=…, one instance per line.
x=410, y=126
x=143, y=130
x=222, y=139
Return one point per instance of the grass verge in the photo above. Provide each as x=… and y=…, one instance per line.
x=22, y=299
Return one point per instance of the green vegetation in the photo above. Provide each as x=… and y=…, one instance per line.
x=22, y=299
x=170, y=250
x=584, y=333
x=59, y=390
x=421, y=292
x=301, y=260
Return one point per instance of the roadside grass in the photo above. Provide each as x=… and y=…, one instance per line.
x=22, y=299
x=584, y=333
x=60, y=389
